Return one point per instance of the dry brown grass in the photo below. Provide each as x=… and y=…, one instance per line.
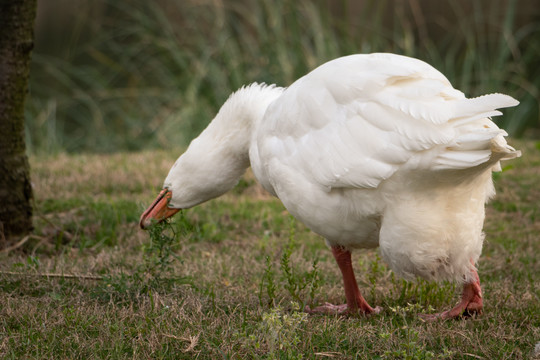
x=213, y=303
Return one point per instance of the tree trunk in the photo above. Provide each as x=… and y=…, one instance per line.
x=16, y=42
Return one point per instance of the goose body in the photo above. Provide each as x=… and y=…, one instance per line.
x=366, y=150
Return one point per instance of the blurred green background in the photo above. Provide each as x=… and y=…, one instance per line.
x=129, y=75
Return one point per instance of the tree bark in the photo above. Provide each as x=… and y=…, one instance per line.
x=16, y=42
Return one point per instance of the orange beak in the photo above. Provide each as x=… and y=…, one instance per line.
x=158, y=211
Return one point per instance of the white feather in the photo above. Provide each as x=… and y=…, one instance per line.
x=366, y=150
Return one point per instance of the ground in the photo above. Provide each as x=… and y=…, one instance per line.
x=226, y=279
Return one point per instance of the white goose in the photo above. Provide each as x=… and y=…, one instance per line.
x=366, y=150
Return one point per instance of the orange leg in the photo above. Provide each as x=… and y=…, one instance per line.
x=355, y=302
x=471, y=302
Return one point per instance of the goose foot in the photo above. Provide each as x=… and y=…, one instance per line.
x=471, y=304
x=356, y=304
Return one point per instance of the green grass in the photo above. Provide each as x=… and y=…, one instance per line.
x=138, y=75
x=226, y=279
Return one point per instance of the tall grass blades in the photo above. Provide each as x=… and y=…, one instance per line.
x=139, y=74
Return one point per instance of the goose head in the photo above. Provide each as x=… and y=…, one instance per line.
x=210, y=167
x=216, y=160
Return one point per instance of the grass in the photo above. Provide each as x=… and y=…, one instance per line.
x=141, y=75
x=226, y=279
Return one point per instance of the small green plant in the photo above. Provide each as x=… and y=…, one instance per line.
x=422, y=291
x=292, y=283
x=298, y=284
x=376, y=268
x=280, y=332
x=411, y=346
x=155, y=272
x=159, y=252
x=295, y=283
x=269, y=283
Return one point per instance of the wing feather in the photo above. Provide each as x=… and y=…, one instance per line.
x=355, y=121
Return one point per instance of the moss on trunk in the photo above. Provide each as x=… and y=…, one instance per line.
x=16, y=43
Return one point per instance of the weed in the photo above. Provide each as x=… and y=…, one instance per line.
x=160, y=251
x=156, y=273
x=279, y=332
x=268, y=282
x=297, y=283
x=292, y=283
x=376, y=270
x=423, y=292
x=410, y=346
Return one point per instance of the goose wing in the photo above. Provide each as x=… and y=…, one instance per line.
x=356, y=120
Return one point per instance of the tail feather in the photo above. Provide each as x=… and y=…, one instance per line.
x=478, y=140
x=484, y=103
x=500, y=150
